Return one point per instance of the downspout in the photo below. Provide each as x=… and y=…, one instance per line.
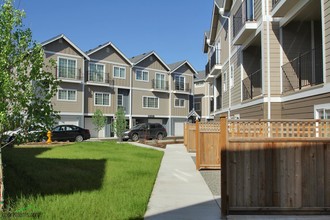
x=83, y=95
x=130, y=98
x=170, y=105
x=268, y=62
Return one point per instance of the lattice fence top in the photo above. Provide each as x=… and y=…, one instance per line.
x=209, y=126
x=279, y=128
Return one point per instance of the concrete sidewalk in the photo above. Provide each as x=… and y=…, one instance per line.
x=180, y=191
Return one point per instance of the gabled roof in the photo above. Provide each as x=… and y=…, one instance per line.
x=67, y=40
x=200, y=76
x=193, y=113
x=139, y=58
x=179, y=64
x=100, y=47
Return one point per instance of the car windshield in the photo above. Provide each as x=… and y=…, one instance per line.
x=139, y=126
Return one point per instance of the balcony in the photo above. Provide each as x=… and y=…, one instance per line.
x=282, y=7
x=244, y=23
x=214, y=62
x=252, y=85
x=182, y=88
x=306, y=70
x=68, y=74
x=159, y=85
x=99, y=79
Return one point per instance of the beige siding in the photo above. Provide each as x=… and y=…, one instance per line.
x=137, y=102
x=236, y=90
x=61, y=46
x=224, y=54
x=198, y=90
x=276, y=110
x=69, y=106
x=109, y=54
x=225, y=94
x=180, y=111
x=275, y=65
x=143, y=84
x=153, y=63
x=303, y=108
x=327, y=38
x=90, y=107
x=258, y=9
x=252, y=112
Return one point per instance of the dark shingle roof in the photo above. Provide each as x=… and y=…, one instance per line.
x=140, y=57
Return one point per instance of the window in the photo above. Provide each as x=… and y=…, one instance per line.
x=225, y=81
x=67, y=68
x=179, y=82
x=119, y=72
x=179, y=103
x=96, y=72
x=67, y=95
x=160, y=81
x=120, y=100
x=324, y=113
x=102, y=99
x=232, y=74
x=150, y=102
x=142, y=75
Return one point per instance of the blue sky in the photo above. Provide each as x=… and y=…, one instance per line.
x=172, y=28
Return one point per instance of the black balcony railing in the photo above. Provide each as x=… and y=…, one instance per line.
x=219, y=102
x=207, y=69
x=215, y=58
x=184, y=87
x=303, y=71
x=99, y=78
x=252, y=85
x=275, y=2
x=160, y=84
x=63, y=72
x=244, y=13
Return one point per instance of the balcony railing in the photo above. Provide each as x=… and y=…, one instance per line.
x=183, y=87
x=244, y=13
x=160, y=84
x=252, y=85
x=215, y=58
x=303, y=71
x=97, y=78
x=63, y=72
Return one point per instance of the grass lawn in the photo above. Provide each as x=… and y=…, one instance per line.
x=89, y=180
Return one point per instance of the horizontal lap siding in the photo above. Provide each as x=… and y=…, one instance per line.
x=90, y=95
x=236, y=90
x=137, y=102
x=327, y=38
x=252, y=112
x=69, y=106
x=257, y=10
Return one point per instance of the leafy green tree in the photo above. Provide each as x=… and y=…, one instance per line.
x=99, y=120
x=119, y=125
x=26, y=83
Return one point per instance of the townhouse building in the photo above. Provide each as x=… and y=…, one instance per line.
x=144, y=86
x=269, y=58
x=203, y=97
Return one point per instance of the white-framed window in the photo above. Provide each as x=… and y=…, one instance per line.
x=179, y=103
x=119, y=72
x=142, y=75
x=67, y=95
x=323, y=113
x=179, y=82
x=67, y=68
x=96, y=72
x=101, y=99
x=160, y=82
x=120, y=100
x=150, y=102
x=232, y=76
x=224, y=80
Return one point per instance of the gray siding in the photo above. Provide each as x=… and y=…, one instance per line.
x=69, y=106
x=327, y=38
x=252, y=112
x=180, y=111
x=137, y=109
x=258, y=9
x=236, y=90
x=90, y=108
x=61, y=46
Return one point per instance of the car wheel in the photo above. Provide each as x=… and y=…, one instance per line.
x=135, y=137
x=79, y=138
x=160, y=136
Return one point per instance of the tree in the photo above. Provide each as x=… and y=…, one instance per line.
x=119, y=125
x=98, y=120
x=26, y=87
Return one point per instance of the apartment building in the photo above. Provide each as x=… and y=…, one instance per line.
x=203, y=97
x=269, y=58
x=148, y=89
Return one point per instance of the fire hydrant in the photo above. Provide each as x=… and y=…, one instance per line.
x=49, y=135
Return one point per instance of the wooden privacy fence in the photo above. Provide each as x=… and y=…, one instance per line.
x=190, y=137
x=275, y=166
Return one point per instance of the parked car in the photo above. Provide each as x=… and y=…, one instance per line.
x=145, y=131
x=20, y=136
x=70, y=133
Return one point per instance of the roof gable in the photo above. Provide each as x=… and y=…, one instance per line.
x=177, y=66
x=138, y=60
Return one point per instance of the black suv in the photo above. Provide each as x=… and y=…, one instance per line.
x=145, y=131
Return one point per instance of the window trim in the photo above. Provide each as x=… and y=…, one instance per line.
x=142, y=75
x=150, y=97
x=160, y=74
x=89, y=71
x=103, y=93
x=318, y=108
x=179, y=106
x=118, y=77
x=67, y=90
x=58, y=67
x=184, y=82
x=122, y=99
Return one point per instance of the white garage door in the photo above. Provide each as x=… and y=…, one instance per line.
x=90, y=126
x=178, y=128
x=69, y=123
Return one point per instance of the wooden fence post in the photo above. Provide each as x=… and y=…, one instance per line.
x=197, y=146
x=223, y=146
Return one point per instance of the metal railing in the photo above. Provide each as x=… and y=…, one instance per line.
x=159, y=84
x=184, y=87
x=63, y=72
x=207, y=69
x=244, y=13
x=215, y=58
x=96, y=78
x=252, y=85
x=303, y=71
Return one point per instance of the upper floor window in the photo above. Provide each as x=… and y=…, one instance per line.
x=179, y=103
x=150, y=102
x=102, y=99
x=119, y=72
x=67, y=68
x=67, y=95
x=96, y=72
x=120, y=100
x=160, y=81
x=179, y=82
x=142, y=75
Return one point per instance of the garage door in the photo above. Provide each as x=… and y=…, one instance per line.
x=91, y=127
x=178, y=128
x=69, y=123
x=153, y=120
